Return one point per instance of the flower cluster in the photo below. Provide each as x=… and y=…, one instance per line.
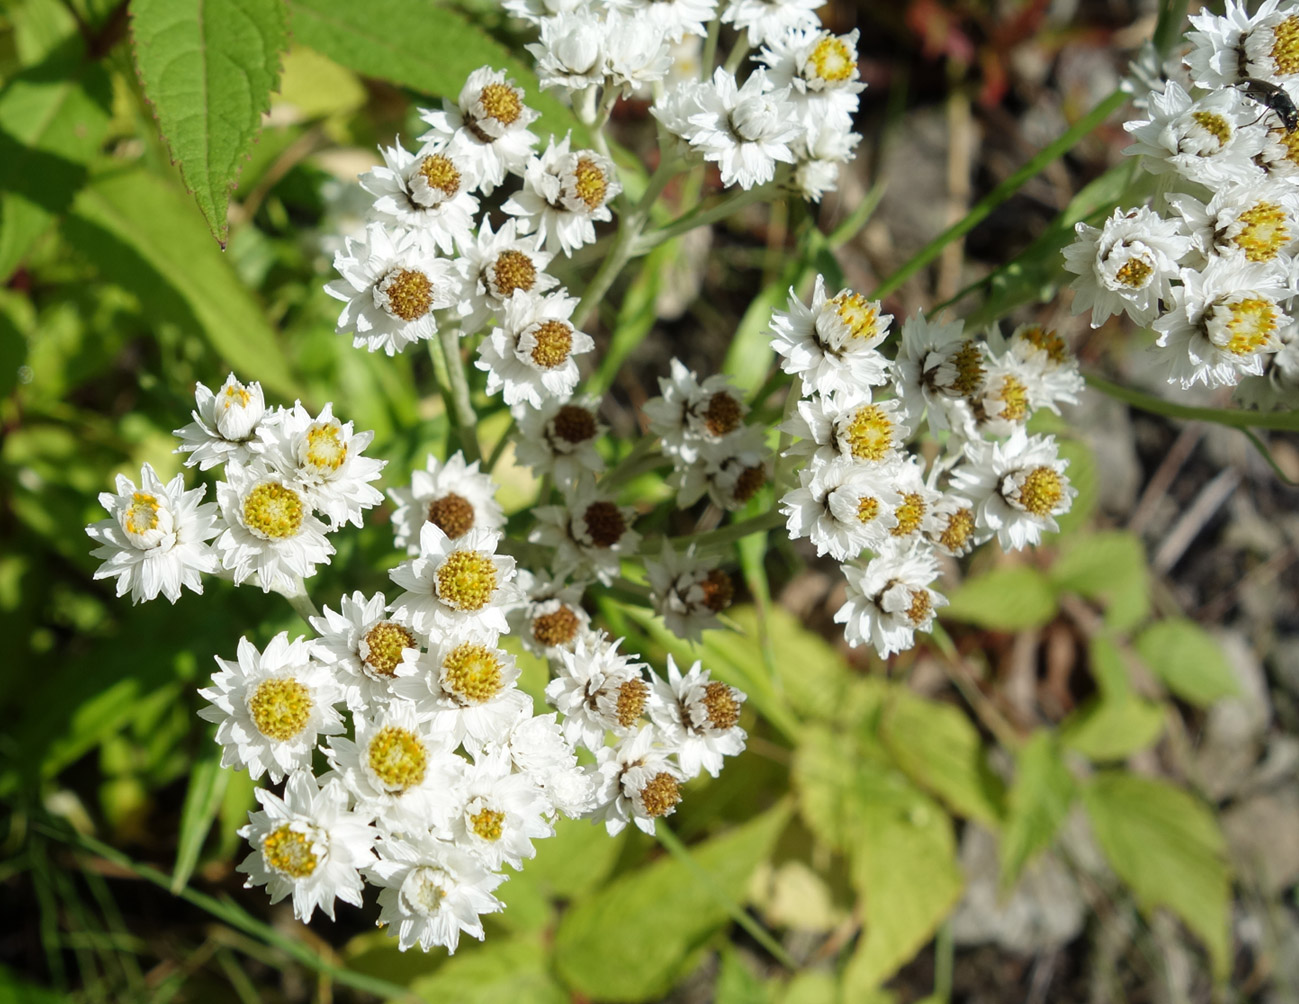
x=1211, y=265
x=868, y=501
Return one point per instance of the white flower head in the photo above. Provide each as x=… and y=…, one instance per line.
x=688, y=592
x=637, y=53
x=953, y=527
x=500, y=814
x=531, y=355
x=365, y=646
x=427, y=191
x=890, y=599
x=597, y=689
x=570, y=54
x=674, y=18
x=731, y=471
x=590, y=532
x=914, y=514
x=844, y=507
x=1210, y=140
x=558, y=439
x=309, y=844
x=156, y=537
x=1254, y=223
x=454, y=584
x=820, y=70
x=824, y=148
x=1055, y=366
x=1225, y=49
x=768, y=20
x=693, y=418
x=831, y=343
x=937, y=370
x=564, y=195
x=550, y=617
x=636, y=781
x=392, y=282
x=270, y=707
x=699, y=718
x=495, y=266
x=1278, y=385
x=452, y=495
x=272, y=537
x=226, y=424
x=1017, y=487
x=869, y=432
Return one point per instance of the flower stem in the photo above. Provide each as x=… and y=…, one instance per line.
x=700, y=217
x=725, y=535
x=462, y=407
x=300, y=601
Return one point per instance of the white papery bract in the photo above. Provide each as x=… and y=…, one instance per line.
x=843, y=506
x=226, y=424
x=271, y=707
x=869, y=432
x=536, y=746
x=534, y=11
x=688, y=592
x=1126, y=266
x=1017, y=487
x=822, y=150
x=310, y=844
x=495, y=266
x=570, y=54
x=558, y=439
x=889, y=598
x=1278, y=386
x=366, y=648
x=590, y=533
x=430, y=891
x=427, y=191
x=272, y=535
x=768, y=20
x=455, y=584
x=564, y=194
x=637, y=53
x=452, y=495
x=938, y=368
x=1254, y=223
x=500, y=814
x=156, y=537
x=597, y=689
x=636, y=781
x=1227, y=48
x=674, y=18
x=954, y=526
x=831, y=342
x=1210, y=140
x=392, y=282
x=1055, y=368
x=731, y=472
x=550, y=616
x=692, y=418
x=530, y=356
x=698, y=718
x=820, y=70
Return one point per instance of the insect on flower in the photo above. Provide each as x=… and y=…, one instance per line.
x=1271, y=96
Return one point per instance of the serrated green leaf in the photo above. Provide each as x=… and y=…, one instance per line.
x=208, y=68
x=203, y=799
x=626, y=942
x=142, y=235
x=515, y=970
x=1110, y=568
x=1167, y=847
x=1188, y=660
x=1037, y=804
x=938, y=747
x=53, y=119
x=1009, y=598
x=1113, y=728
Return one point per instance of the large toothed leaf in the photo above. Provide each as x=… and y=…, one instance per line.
x=208, y=67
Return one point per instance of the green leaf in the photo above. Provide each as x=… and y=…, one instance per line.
x=53, y=119
x=1188, y=660
x=737, y=983
x=1009, y=598
x=1038, y=801
x=1082, y=475
x=1111, y=568
x=810, y=986
x=422, y=45
x=1166, y=846
x=203, y=799
x=208, y=68
x=142, y=235
x=937, y=747
x=627, y=941
x=514, y=971
x=1113, y=728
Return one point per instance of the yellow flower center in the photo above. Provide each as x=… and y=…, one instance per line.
x=909, y=514
x=472, y=673
x=452, y=514
x=141, y=515
x=660, y=795
x=604, y=523
x=236, y=396
x=502, y=103
x=631, y=701
x=832, y=60
x=280, y=708
x=386, y=642
x=968, y=363
x=466, y=580
x=1133, y=273
x=859, y=315
x=554, y=343
x=1250, y=325
x=273, y=511
x=718, y=590
x=1215, y=125
x=868, y=507
x=1041, y=491
x=921, y=606
x=558, y=627
x=440, y=173
x=1290, y=140
x=289, y=852
x=514, y=270
x=1048, y=341
x=487, y=824
x=869, y=433
x=722, y=707
x=1285, y=45
x=409, y=293
x=960, y=527
x=397, y=757
x=326, y=451
x=1264, y=232
x=590, y=184
x=1013, y=396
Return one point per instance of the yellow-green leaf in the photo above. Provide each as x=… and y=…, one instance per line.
x=1037, y=803
x=1188, y=660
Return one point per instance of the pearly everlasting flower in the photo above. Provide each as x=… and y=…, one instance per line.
x=226, y=424
x=309, y=844
x=597, y=689
x=688, y=592
x=550, y=617
x=427, y=191
x=745, y=129
x=536, y=747
x=564, y=195
x=156, y=537
x=1278, y=385
x=558, y=439
x=635, y=782
x=890, y=599
x=674, y=18
x=823, y=149
x=271, y=707
x=272, y=535
x=938, y=368
x=366, y=648
x=570, y=54
x=534, y=11
x=844, y=507
x=1254, y=223
x=867, y=432
x=637, y=53
x=693, y=418
x=1225, y=49
x=1010, y=394
x=831, y=344
x=326, y=458
x=699, y=718
x=392, y=283
x=953, y=527
x=591, y=534
x=730, y=472
x=820, y=70
x=452, y=495
x=1017, y=487
x=455, y=584
x=768, y=20
x=498, y=265
x=1210, y=140
x=913, y=514
x=500, y=814
x=430, y=891
x=488, y=126
x=529, y=356
x=1054, y=365
x=1126, y=266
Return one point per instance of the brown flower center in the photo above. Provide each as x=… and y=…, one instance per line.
x=604, y=523
x=452, y=514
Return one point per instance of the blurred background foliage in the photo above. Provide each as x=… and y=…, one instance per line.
x=1027, y=807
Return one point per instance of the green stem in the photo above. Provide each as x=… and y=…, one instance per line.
x=300, y=601
x=1282, y=421
x=710, y=49
x=500, y=446
x=725, y=535
x=462, y=405
x=981, y=209
x=629, y=466
x=700, y=217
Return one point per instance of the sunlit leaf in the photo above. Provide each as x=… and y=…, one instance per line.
x=1037, y=803
x=1188, y=660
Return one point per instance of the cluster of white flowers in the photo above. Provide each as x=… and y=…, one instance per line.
x=866, y=500
x=1211, y=265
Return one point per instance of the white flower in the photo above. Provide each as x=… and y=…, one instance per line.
x=500, y=814
x=914, y=513
x=953, y=528
x=597, y=689
x=820, y=70
x=1210, y=140
x=730, y=471
x=768, y=20
x=365, y=647
x=1126, y=266
x=831, y=343
x=746, y=130
x=889, y=599
x=688, y=592
x=488, y=126
x=675, y=18
x=455, y=584
x=226, y=424
x=1226, y=49
x=636, y=782
x=537, y=747
x=550, y=617
x=392, y=282
x=308, y=843
x=324, y=457
x=1278, y=386
x=825, y=147
x=1011, y=393
x=270, y=707
x=1017, y=487
x=558, y=439
x=698, y=718
x=590, y=532
x=843, y=506
x=563, y=195
x=1255, y=223
x=452, y=495
x=693, y=418
x=430, y=890
x=427, y=191
x=272, y=536
x=570, y=54
x=497, y=265
x=155, y=540
x=534, y=11
x=529, y=356
x=637, y=53
x=1054, y=366
x=1222, y=322
x=938, y=368
x=870, y=432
